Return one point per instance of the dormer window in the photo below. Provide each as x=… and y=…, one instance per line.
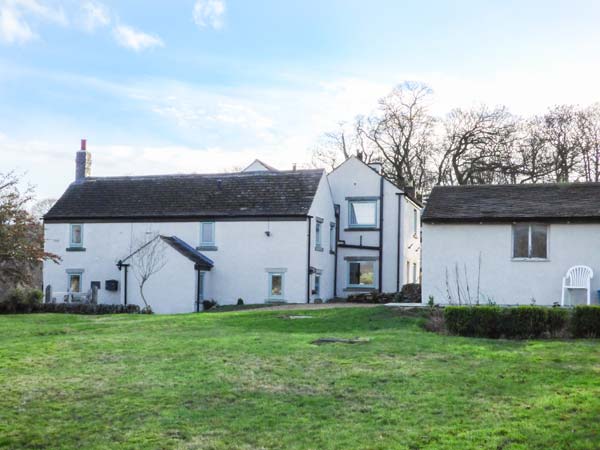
x=362, y=213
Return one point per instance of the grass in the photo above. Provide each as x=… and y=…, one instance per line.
x=252, y=380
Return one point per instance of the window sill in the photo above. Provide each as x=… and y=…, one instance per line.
x=207, y=248
x=357, y=288
x=318, y=249
x=75, y=249
x=362, y=229
x=530, y=259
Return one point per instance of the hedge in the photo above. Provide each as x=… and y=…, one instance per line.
x=69, y=308
x=521, y=322
x=585, y=322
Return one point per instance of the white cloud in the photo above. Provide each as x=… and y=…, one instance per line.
x=95, y=15
x=209, y=13
x=133, y=39
x=16, y=14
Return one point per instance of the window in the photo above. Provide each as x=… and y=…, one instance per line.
x=414, y=274
x=332, y=238
x=361, y=274
x=407, y=272
x=317, y=290
x=415, y=222
x=319, y=234
x=76, y=235
x=362, y=213
x=207, y=234
x=530, y=241
x=275, y=285
x=74, y=280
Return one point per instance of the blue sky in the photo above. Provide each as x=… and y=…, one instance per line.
x=207, y=85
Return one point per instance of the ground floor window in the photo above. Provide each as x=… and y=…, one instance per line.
x=74, y=281
x=276, y=285
x=361, y=273
x=317, y=290
x=530, y=241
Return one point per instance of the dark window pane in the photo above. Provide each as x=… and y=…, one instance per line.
x=521, y=241
x=354, y=273
x=75, y=283
x=539, y=241
x=276, y=282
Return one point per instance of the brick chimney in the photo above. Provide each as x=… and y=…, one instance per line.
x=83, y=163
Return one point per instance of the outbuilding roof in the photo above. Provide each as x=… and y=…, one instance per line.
x=515, y=202
x=230, y=195
x=201, y=261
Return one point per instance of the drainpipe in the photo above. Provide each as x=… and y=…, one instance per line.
x=198, y=280
x=399, y=235
x=380, y=233
x=335, y=256
x=308, y=260
x=120, y=266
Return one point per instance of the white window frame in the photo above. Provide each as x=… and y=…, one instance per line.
x=213, y=229
x=332, y=237
x=270, y=274
x=75, y=244
x=318, y=234
x=529, y=242
x=77, y=273
x=317, y=285
x=375, y=222
x=362, y=286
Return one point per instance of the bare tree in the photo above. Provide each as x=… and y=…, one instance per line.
x=534, y=160
x=402, y=133
x=148, y=260
x=336, y=146
x=560, y=132
x=588, y=129
x=476, y=146
x=41, y=207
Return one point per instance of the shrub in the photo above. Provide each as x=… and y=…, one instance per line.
x=585, y=322
x=478, y=321
x=523, y=322
x=240, y=301
x=558, y=321
x=410, y=293
x=208, y=304
x=68, y=308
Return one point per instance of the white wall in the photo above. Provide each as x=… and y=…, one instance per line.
x=323, y=260
x=503, y=280
x=354, y=179
x=243, y=254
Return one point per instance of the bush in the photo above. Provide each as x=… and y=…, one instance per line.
x=240, y=301
x=558, y=322
x=410, y=293
x=523, y=322
x=68, y=308
x=585, y=322
x=478, y=321
x=208, y=304
x=21, y=296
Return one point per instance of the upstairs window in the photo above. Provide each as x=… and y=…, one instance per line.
x=361, y=274
x=319, y=234
x=332, y=238
x=207, y=234
x=76, y=235
x=362, y=213
x=530, y=241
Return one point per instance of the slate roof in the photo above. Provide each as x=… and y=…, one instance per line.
x=203, y=262
x=253, y=194
x=516, y=202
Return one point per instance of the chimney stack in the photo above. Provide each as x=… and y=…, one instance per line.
x=377, y=166
x=83, y=163
x=294, y=167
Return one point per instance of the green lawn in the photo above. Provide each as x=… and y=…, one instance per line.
x=253, y=380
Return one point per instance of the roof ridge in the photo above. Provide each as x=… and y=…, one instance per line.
x=216, y=174
x=549, y=184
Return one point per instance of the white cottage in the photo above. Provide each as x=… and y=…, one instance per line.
x=510, y=244
x=262, y=235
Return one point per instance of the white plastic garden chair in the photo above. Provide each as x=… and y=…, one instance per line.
x=577, y=277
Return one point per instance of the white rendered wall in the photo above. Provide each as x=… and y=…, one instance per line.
x=244, y=254
x=504, y=280
x=354, y=179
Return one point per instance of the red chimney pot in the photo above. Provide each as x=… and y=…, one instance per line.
x=83, y=144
